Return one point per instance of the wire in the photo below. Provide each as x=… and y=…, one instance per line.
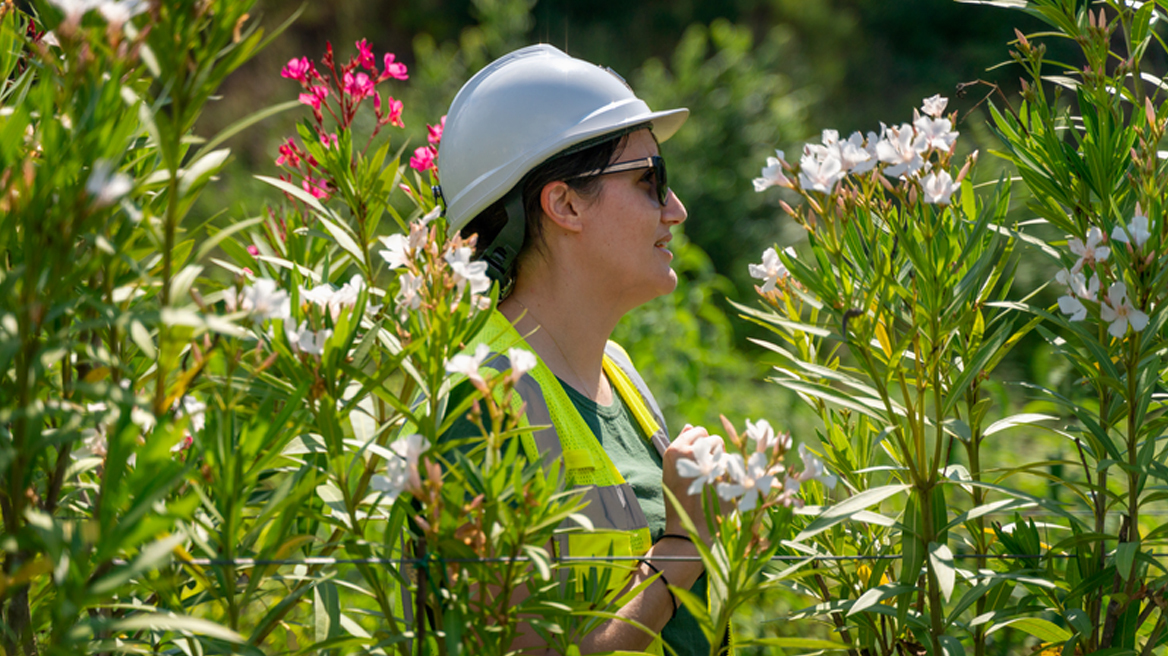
x=260, y=562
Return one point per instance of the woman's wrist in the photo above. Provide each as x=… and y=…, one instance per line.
x=679, y=559
x=661, y=575
x=677, y=536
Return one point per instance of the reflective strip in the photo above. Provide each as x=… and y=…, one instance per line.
x=547, y=442
x=617, y=355
x=613, y=507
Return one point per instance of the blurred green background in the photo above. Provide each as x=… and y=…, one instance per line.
x=757, y=75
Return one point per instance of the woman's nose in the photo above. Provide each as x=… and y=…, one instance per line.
x=674, y=211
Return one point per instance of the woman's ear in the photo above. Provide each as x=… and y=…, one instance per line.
x=562, y=205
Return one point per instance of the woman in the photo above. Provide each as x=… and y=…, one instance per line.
x=554, y=163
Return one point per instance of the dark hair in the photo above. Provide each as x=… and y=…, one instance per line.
x=562, y=167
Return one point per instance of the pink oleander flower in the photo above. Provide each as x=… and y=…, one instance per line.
x=318, y=188
x=358, y=86
x=365, y=55
x=314, y=98
x=396, y=70
x=395, y=112
x=328, y=140
x=435, y=132
x=297, y=69
x=423, y=159
x=288, y=155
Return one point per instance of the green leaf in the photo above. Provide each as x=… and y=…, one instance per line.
x=1044, y=630
x=299, y=193
x=199, y=171
x=941, y=558
x=876, y=595
x=211, y=242
x=793, y=643
x=150, y=558
x=326, y=612
x=167, y=622
x=974, y=367
x=1125, y=558
x=345, y=239
x=1016, y=420
x=848, y=508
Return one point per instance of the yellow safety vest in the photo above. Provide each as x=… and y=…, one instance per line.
x=620, y=526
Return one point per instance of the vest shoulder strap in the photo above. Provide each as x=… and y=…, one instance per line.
x=632, y=388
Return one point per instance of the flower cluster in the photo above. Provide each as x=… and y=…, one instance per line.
x=906, y=152
x=425, y=158
x=449, y=268
x=347, y=86
x=95, y=440
x=263, y=301
x=750, y=475
x=1115, y=308
x=338, y=92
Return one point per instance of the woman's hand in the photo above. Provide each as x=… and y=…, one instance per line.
x=683, y=447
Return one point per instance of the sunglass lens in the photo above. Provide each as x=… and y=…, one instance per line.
x=662, y=181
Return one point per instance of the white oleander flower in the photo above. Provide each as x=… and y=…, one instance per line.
x=1090, y=252
x=468, y=272
x=306, y=340
x=409, y=296
x=772, y=269
x=901, y=150
x=469, y=364
x=772, y=174
x=106, y=185
x=938, y=188
x=751, y=480
x=1139, y=230
x=1118, y=311
x=820, y=169
x=813, y=469
x=934, y=106
x=264, y=300
x=707, y=465
x=522, y=361
x=935, y=134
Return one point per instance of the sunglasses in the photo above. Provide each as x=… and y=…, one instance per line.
x=655, y=162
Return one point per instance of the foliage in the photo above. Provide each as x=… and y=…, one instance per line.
x=211, y=463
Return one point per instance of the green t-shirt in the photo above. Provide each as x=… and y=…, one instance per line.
x=637, y=460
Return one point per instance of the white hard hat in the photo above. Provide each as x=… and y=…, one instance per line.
x=521, y=110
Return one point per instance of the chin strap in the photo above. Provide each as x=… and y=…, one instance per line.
x=500, y=254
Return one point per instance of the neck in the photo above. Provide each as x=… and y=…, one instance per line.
x=567, y=328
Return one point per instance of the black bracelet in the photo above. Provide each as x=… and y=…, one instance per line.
x=661, y=575
x=677, y=536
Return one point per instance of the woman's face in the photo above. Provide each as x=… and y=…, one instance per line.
x=627, y=231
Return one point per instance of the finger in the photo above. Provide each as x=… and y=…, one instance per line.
x=692, y=433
